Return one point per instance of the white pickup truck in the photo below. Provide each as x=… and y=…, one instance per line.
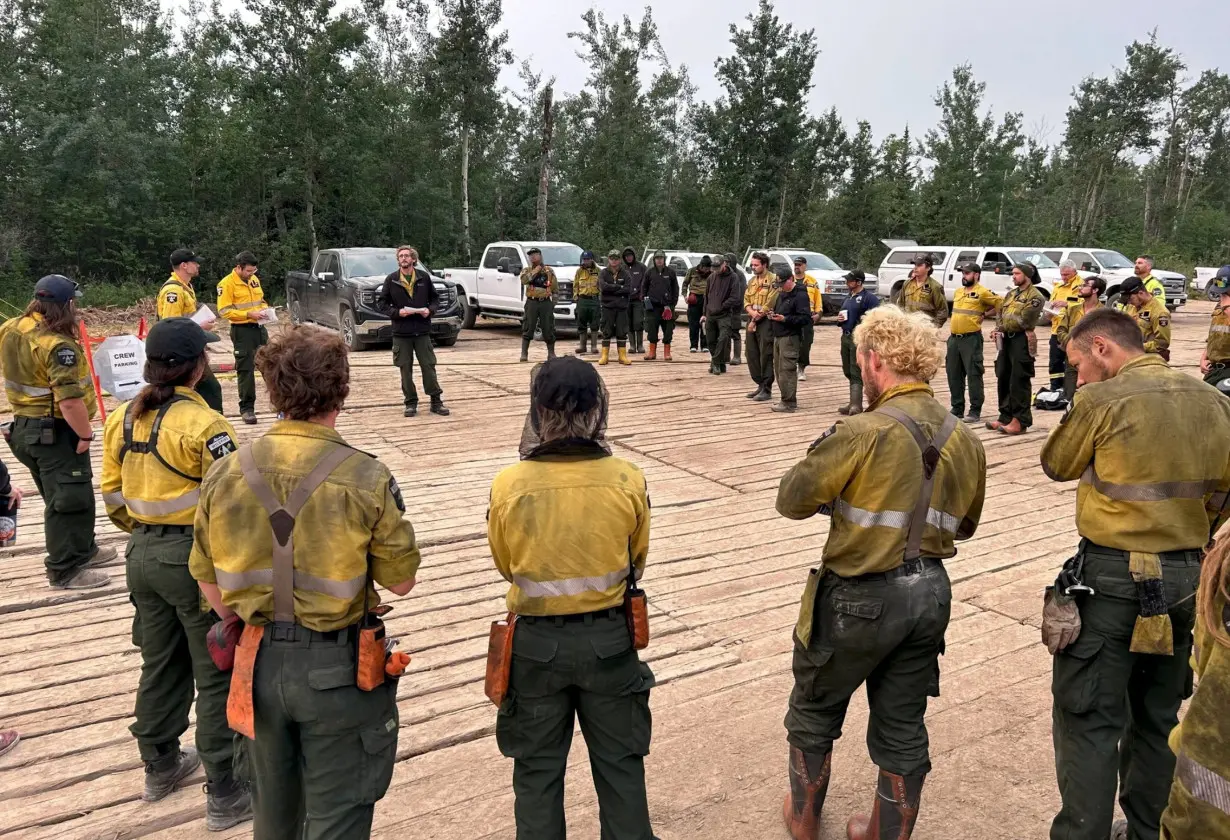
x=996, y=262
x=493, y=289
x=830, y=276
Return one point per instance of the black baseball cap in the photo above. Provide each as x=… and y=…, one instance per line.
x=567, y=383
x=971, y=266
x=706, y=261
x=175, y=340
x=1131, y=286
x=800, y=260
x=529, y=251
x=856, y=275
x=183, y=255
x=56, y=287
x=923, y=259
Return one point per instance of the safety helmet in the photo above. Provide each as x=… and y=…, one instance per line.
x=1220, y=284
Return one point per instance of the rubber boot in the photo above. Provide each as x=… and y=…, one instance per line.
x=666, y=352
x=227, y=804
x=581, y=345
x=550, y=349
x=738, y=341
x=164, y=773
x=895, y=810
x=809, y=784
x=623, y=355
x=856, y=398
x=525, y=349
x=653, y=352
x=639, y=342
x=605, y=355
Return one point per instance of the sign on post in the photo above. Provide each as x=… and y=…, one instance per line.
x=119, y=363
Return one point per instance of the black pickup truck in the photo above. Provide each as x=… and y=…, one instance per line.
x=340, y=292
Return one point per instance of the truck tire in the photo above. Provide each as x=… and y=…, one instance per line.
x=445, y=342
x=469, y=313
x=350, y=333
x=296, y=309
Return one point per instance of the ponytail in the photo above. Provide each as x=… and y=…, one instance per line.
x=163, y=378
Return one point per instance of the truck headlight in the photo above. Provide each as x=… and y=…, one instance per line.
x=368, y=298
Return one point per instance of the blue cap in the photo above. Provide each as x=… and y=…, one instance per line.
x=587, y=255
x=56, y=287
x=1220, y=284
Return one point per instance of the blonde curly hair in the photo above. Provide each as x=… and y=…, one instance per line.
x=905, y=341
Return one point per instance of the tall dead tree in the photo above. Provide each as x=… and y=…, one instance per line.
x=544, y=159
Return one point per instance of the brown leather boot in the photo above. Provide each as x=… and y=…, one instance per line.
x=809, y=783
x=895, y=810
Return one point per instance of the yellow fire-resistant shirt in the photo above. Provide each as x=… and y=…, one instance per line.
x=239, y=300
x=1217, y=348
x=1021, y=309
x=176, y=299
x=352, y=529
x=141, y=489
x=1063, y=296
x=866, y=473
x=585, y=282
x=1069, y=319
x=1154, y=323
x=927, y=297
x=563, y=530
x=970, y=306
x=530, y=276
x=761, y=291
x=814, y=297
x=42, y=369
x=1133, y=496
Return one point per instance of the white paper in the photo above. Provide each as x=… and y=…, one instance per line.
x=205, y=317
x=268, y=315
x=120, y=364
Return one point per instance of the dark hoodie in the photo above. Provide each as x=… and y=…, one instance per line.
x=636, y=274
x=615, y=287
x=661, y=287
x=724, y=296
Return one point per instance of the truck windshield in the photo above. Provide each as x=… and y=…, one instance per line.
x=1039, y=259
x=558, y=255
x=814, y=260
x=1113, y=259
x=372, y=263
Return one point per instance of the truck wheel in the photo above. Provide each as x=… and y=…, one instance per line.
x=349, y=333
x=469, y=313
x=296, y=309
x=446, y=342
x=1114, y=300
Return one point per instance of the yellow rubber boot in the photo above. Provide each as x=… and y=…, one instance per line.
x=623, y=355
x=604, y=356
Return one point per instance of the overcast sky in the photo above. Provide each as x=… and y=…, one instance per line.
x=882, y=60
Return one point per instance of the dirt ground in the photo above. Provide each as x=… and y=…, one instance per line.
x=725, y=575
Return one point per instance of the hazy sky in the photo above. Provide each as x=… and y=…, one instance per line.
x=882, y=60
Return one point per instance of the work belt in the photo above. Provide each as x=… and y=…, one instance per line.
x=160, y=530
x=587, y=297
x=1088, y=547
x=1012, y=334
x=611, y=614
x=283, y=633
x=968, y=334
x=906, y=569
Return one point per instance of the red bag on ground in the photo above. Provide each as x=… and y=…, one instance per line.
x=222, y=640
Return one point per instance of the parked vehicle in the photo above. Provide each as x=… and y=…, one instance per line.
x=340, y=292
x=681, y=261
x=494, y=290
x=996, y=261
x=828, y=274
x=1114, y=267
x=1200, y=284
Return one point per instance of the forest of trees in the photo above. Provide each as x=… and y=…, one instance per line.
x=126, y=131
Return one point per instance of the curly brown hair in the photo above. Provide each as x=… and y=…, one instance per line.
x=307, y=372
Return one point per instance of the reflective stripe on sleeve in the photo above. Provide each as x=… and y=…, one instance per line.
x=1157, y=492
x=28, y=390
x=569, y=586
x=114, y=499
x=1204, y=784
x=344, y=590
x=1220, y=328
x=976, y=313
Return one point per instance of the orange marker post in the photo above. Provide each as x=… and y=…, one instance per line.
x=89, y=357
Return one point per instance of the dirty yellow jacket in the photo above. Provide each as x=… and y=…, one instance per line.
x=1021, y=309
x=1154, y=323
x=927, y=298
x=351, y=531
x=176, y=300
x=538, y=292
x=42, y=369
x=137, y=486
x=1132, y=495
x=695, y=283
x=1201, y=744
x=1217, y=348
x=761, y=292
x=585, y=282
x=1063, y=296
x=971, y=306
x=239, y=300
x=1069, y=319
x=562, y=530
x=866, y=473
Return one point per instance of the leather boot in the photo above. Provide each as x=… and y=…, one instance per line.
x=437, y=406
x=1012, y=427
x=895, y=810
x=653, y=351
x=623, y=355
x=605, y=355
x=525, y=349
x=227, y=804
x=550, y=349
x=666, y=352
x=164, y=773
x=809, y=783
x=856, y=398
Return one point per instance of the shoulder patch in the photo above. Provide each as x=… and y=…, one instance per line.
x=1035, y=302
x=832, y=430
x=396, y=493
x=172, y=297
x=66, y=356
x=1144, y=314
x=220, y=287
x=1163, y=320
x=220, y=445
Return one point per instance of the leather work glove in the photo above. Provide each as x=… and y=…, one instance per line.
x=1061, y=620
x=1031, y=342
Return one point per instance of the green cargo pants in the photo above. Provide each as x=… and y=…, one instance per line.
x=405, y=348
x=805, y=343
x=589, y=318
x=170, y=629
x=210, y=390
x=247, y=338
x=760, y=354
x=1014, y=368
x=849, y=359
x=887, y=632
x=786, y=365
x=65, y=481
x=614, y=325
x=539, y=315
x=324, y=749
x=717, y=335
x=964, y=364
x=1114, y=709
x=584, y=669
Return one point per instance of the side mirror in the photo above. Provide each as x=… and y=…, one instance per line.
x=503, y=265
x=1088, y=267
x=326, y=276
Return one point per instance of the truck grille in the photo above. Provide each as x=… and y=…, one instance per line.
x=447, y=297
x=564, y=295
